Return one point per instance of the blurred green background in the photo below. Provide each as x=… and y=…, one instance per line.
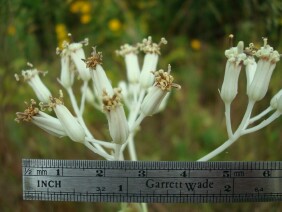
x=192, y=124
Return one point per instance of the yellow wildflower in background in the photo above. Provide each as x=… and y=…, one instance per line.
x=114, y=24
x=86, y=18
x=83, y=8
x=62, y=34
x=11, y=30
x=196, y=44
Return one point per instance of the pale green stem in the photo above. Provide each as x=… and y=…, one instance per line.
x=131, y=123
x=262, y=114
x=264, y=123
x=246, y=118
x=217, y=151
x=135, y=109
x=80, y=119
x=117, y=151
x=131, y=147
x=137, y=122
x=144, y=207
x=103, y=143
x=95, y=150
x=82, y=103
x=235, y=136
x=228, y=119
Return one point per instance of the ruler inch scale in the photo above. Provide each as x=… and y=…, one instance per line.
x=151, y=181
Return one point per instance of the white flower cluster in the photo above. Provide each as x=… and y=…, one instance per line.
x=144, y=93
x=258, y=76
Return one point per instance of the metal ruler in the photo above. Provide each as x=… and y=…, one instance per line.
x=140, y=181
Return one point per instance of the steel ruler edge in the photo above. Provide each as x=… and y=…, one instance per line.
x=151, y=181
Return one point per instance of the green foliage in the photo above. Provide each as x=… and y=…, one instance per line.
x=193, y=123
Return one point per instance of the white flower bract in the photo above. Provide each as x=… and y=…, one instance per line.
x=233, y=67
x=114, y=111
x=152, y=101
x=77, y=55
x=67, y=76
x=265, y=66
x=149, y=66
x=33, y=79
x=49, y=124
x=275, y=98
x=70, y=124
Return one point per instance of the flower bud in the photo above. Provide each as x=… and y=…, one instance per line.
x=279, y=105
x=152, y=51
x=149, y=66
x=266, y=64
x=233, y=66
x=155, y=96
x=49, y=124
x=100, y=80
x=70, y=124
x=152, y=101
x=274, y=100
x=42, y=120
x=78, y=57
x=114, y=111
x=67, y=76
x=131, y=61
x=251, y=67
x=33, y=79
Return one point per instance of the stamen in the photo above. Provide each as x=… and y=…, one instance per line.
x=164, y=80
x=94, y=59
x=230, y=38
x=28, y=113
x=264, y=41
x=147, y=45
x=127, y=49
x=110, y=103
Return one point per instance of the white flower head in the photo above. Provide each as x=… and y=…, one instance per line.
x=279, y=104
x=233, y=66
x=32, y=78
x=250, y=64
x=265, y=66
x=99, y=77
x=115, y=114
x=155, y=96
x=251, y=67
x=44, y=121
x=275, y=99
x=76, y=55
x=70, y=124
x=152, y=52
x=67, y=73
x=131, y=61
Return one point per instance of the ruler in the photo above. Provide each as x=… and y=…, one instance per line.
x=154, y=181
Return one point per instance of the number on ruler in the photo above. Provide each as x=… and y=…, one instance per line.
x=99, y=173
x=227, y=188
x=184, y=174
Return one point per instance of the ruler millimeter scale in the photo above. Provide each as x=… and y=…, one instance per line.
x=155, y=181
